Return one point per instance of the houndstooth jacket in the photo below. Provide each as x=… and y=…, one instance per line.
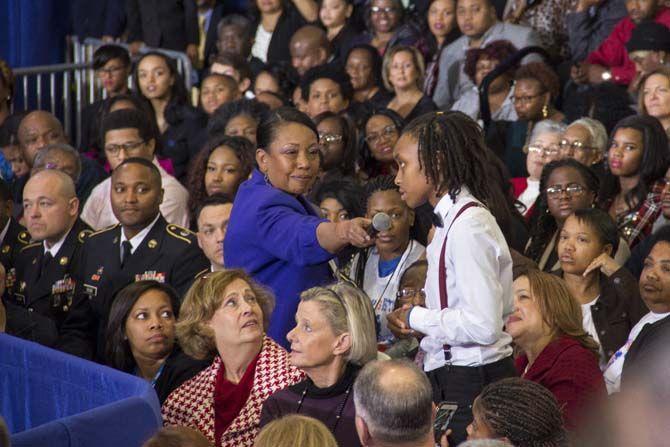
x=192, y=404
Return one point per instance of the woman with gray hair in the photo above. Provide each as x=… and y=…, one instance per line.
x=334, y=337
x=585, y=140
x=543, y=147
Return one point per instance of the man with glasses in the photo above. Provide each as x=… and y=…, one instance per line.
x=112, y=68
x=128, y=133
x=585, y=140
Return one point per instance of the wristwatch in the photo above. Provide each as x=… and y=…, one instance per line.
x=606, y=76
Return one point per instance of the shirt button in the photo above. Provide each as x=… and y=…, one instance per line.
x=602, y=332
x=617, y=280
x=30, y=309
x=624, y=315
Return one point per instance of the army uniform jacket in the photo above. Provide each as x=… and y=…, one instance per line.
x=16, y=238
x=168, y=254
x=39, y=301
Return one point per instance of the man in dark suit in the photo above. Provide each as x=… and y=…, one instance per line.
x=41, y=291
x=235, y=34
x=169, y=24
x=13, y=237
x=142, y=247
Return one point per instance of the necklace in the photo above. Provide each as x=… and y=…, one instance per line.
x=340, y=408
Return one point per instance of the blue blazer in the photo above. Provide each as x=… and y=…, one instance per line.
x=272, y=235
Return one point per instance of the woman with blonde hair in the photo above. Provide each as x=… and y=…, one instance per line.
x=556, y=351
x=226, y=314
x=403, y=72
x=333, y=338
x=295, y=430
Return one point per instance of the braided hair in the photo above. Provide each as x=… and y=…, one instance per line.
x=378, y=184
x=453, y=155
x=522, y=411
x=545, y=224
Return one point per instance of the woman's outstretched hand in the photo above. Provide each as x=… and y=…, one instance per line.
x=355, y=231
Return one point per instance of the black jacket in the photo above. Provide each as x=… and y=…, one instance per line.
x=16, y=238
x=184, y=137
x=178, y=368
x=618, y=308
x=645, y=349
x=40, y=296
x=168, y=254
x=169, y=24
x=289, y=22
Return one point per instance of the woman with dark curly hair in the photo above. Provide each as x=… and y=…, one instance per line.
x=338, y=139
x=631, y=191
x=565, y=186
x=479, y=62
x=220, y=167
x=363, y=64
x=238, y=119
x=156, y=79
x=277, y=78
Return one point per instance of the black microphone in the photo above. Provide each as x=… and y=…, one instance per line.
x=380, y=222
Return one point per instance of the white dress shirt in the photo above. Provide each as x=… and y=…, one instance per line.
x=479, y=287
x=56, y=246
x=136, y=240
x=98, y=213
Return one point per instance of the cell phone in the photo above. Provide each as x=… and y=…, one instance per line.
x=445, y=412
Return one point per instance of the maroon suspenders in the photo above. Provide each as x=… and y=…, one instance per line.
x=444, y=297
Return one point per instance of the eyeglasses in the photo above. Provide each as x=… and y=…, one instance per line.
x=385, y=133
x=329, y=138
x=380, y=10
x=549, y=150
x=525, y=99
x=109, y=71
x=573, y=189
x=408, y=293
x=575, y=146
x=130, y=148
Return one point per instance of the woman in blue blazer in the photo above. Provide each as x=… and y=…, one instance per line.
x=274, y=233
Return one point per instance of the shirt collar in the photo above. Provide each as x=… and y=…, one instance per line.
x=136, y=240
x=445, y=204
x=55, y=247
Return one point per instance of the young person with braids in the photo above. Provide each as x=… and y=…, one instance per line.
x=556, y=351
x=519, y=411
x=443, y=160
x=565, y=186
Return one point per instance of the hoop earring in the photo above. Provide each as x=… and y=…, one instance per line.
x=545, y=112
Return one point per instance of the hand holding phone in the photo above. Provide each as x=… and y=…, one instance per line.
x=445, y=412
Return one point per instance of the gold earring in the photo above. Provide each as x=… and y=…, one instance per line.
x=545, y=112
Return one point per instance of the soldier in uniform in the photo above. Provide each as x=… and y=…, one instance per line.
x=143, y=246
x=13, y=237
x=41, y=294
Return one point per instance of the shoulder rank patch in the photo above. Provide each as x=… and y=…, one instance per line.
x=35, y=244
x=179, y=232
x=104, y=230
x=23, y=237
x=83, y=234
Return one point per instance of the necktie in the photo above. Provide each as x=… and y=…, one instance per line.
x=126, y=252
x=46, y=260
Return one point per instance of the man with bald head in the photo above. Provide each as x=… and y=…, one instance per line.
x=41, y=293
x=142, y=246
x=394, y=405
x=39, y=129
x=309, y=47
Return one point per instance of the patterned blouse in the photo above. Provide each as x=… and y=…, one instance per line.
x=637, y=224
x=192, y=404
x=547, y=17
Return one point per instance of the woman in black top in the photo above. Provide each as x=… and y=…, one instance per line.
x=156, y=78
x=141, y=337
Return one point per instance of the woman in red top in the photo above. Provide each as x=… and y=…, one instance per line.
x=556, y=351
x=226, y=313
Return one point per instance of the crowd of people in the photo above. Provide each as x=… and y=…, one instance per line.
x=223, y=242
